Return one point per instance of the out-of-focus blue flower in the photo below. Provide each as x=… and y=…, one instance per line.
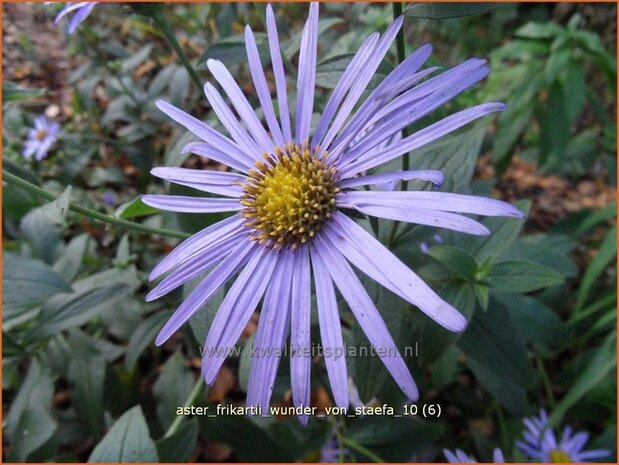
x=458, y=456
x=540, y=443
x=425, y=247
x=290, y=192
x=81, y=9
x=333, y=451
x=109, y=198
x=40, y=138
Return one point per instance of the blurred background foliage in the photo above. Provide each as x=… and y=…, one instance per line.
x=82, y=378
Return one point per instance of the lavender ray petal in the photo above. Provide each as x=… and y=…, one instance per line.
x=260, y=84
x=236, y=309
x=196, y=265
x=367, y=315
x=362, y=80
x=330, y=331
x=423, y=137
x=343, y=86
x=206, y=150
x=215, y=182
x=306, y=80
x=240, y=103
x=185, y=204
x=384, y=92
x=280, y=76
x=68, y=8
x=413, y=107
x=80, y=16
x=417, y=215
x=380, y=264
x=436, y=177
x=441, y=201
x=231, y=123
x=198, y=242
x=271, y=334
x=206, y=289
x=300, y=343
x=214, y=139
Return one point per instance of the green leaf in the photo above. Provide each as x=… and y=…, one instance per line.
x=497, y=354
x=179, y=447
x=172, y=388
x=482, y=293
x=143, y=336
x=69, y=263
x=27, y=283
x=520, y=276
x=539, y=31
x=604, y=360
x=394, y=440
x=136, y=59
x=607, y=251
x=41, y=234
x=251, y=442
x=12, y=92
x=450, y=10
x=87, y=373
x=329, y=71
x=58, y=209
x=293, y=44
x=537, y=323
x=135, y=208
x=232, y=51
x=457, y=260
x=503, y=232
x=67, y=310
x=128, y=440
x=35, y=393
x=34, y=429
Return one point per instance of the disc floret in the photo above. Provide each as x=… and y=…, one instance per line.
x=290, y=195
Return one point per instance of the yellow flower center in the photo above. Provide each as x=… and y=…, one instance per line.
x=559, y=456
x=41, y=134
x=289, y=196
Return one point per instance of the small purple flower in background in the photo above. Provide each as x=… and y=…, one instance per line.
x=40, y=138
x=425, y=247
x=458, y=456
x=540, y=443
x=333, y=452
x=289, y=194
x=109, y=198
x=81, y=9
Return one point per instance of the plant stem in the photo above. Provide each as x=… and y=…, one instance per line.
x=27, y=186
x=397, y=12
x=545, y=380
x=178, y=421
x=359, y=448
x=161, y=21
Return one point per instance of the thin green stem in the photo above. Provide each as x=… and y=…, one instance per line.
x=27, y=186
x=401, y=51
x=362, y=450
x=545, y=380
x=161, y=21
x=193, y=396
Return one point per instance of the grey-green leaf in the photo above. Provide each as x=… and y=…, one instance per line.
x=128, y=440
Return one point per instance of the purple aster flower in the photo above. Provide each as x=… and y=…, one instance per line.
x=81, y=9
x=40, y=138
x=458, y=456
x=289, y=190
x=540, y=443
